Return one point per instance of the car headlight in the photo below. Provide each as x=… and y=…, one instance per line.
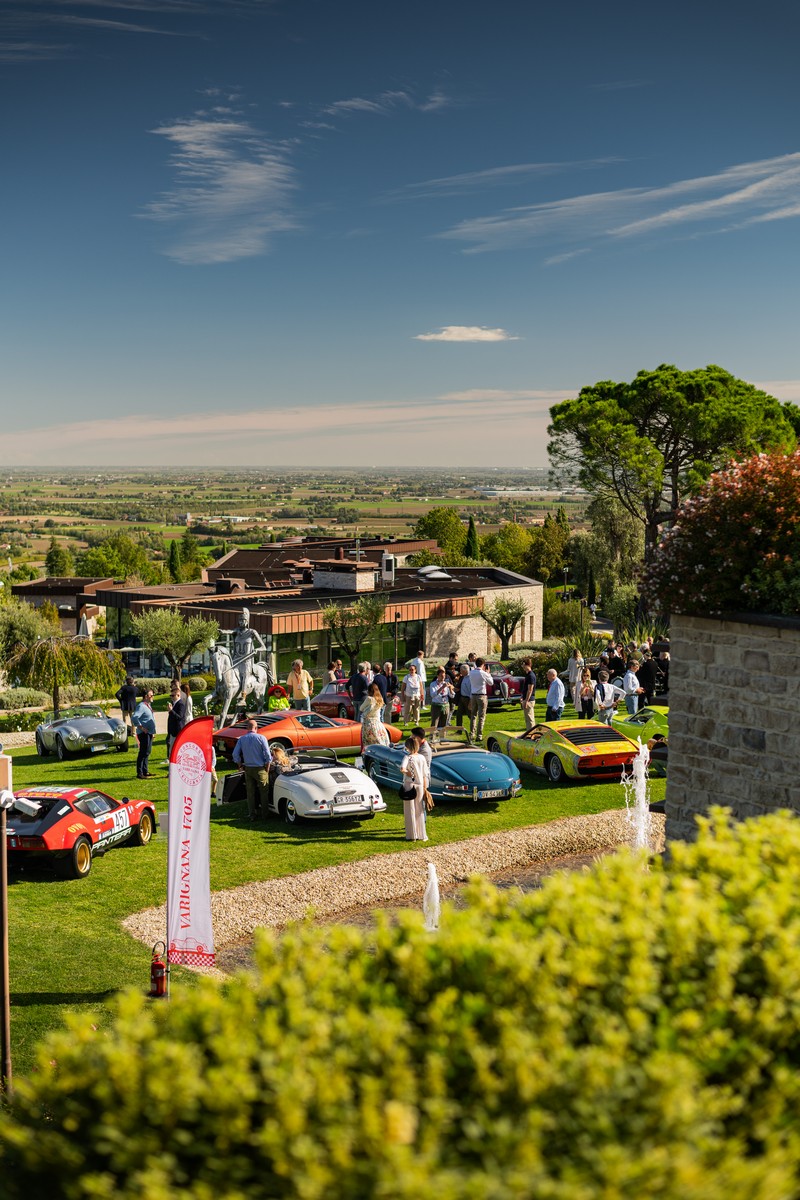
x=73, y=735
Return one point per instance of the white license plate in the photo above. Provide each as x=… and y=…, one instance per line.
x=492, y=795
x=347, y=799
x=96, y=749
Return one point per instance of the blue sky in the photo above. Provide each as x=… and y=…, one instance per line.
x=273, y=232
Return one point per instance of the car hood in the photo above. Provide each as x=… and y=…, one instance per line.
x=85, y=726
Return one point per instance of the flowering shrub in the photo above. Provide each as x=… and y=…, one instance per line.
x=733, y=547
x=622, y=1033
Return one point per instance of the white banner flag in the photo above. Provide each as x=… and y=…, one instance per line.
x=190, y=938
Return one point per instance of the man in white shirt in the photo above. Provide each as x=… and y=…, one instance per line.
x=604, y=698
x=419, y=663
x=555, y=697
x=630, y=686
x=479, y=683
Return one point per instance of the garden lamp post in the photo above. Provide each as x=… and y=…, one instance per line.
x=566, y=573
x=396, y=619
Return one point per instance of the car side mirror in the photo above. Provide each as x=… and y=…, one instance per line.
x=125, y=800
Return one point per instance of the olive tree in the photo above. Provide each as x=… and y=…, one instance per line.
x=166, y=631
x=354, y=624
x=504, y=616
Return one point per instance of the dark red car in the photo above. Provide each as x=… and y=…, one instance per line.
x=72, y=825
x=507, y=689
x=334, y=701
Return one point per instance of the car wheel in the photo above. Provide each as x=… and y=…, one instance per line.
x=143, y=833
x=374, y=772
x=342, y=711
x=290, y=813
x=61, y=750
x=124, y=747
x=493, y=746
x=41, y=749
x=554, y=768
x=78, y=862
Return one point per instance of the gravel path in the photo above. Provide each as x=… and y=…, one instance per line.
x=377, y=881
x=10, y=741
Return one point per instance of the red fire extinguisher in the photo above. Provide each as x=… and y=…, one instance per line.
x=158, y=971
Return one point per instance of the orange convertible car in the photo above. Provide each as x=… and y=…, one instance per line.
x=299, y=730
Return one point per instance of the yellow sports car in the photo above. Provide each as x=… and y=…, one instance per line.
x=568, y=749
x=644, y=724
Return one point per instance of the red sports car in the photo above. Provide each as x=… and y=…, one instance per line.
x=299, y=730
x=72, y=825
x=334, y=701
x=507, y=688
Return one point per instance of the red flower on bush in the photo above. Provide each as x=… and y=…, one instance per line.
x=734, y=547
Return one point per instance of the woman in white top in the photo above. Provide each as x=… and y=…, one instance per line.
x=417, y=773
x=412, y=697
x=187, y=696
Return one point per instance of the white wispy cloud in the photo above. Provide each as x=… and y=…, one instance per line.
x=232, y=191
x=481, y=395
x=301, y=433
x=768, y=189
x=466, y=333
x=565, y=257
x=452, y=185
x=387, y=102
x=782, y=389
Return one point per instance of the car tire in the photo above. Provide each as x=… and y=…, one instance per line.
x=342, y=711
x=41, y=749
x=554, y=768
x=78, y=862
x=493, y=746
x=290, y=813
x=143, y=833
x=123, y=749
x=374, y=773
x=61, y=750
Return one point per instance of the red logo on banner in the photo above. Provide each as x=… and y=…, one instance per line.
x=191, y=763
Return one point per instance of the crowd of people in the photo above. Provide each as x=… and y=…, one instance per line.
x=458, y=693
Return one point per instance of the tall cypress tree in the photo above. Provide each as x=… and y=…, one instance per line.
x=472, y=547
x=175, y=561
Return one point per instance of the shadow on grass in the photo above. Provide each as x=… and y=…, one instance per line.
x=31, y=999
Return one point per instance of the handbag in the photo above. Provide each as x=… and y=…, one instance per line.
x=406, y=791
x=428, y=801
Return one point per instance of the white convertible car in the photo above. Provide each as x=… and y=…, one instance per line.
x=320, y=787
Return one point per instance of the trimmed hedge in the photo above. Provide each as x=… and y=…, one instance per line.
x=162, y=683
x=625, y=1032
x=24, y=698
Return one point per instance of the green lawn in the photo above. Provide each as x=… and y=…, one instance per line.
x=68, y=951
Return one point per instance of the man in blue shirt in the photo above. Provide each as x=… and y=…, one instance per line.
x=252, y=755
x=145, y=725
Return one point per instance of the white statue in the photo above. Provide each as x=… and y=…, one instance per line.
x=241, y=675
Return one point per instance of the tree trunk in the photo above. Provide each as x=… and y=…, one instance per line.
x=505, y=638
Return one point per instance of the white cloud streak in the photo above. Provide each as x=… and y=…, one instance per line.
x=467, y=181
x=232, y=191
x=300, y=433
x=466, y=333
x=744, y=194
x=386, y=103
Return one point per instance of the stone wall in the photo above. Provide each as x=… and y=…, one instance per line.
x=734, y=719
x=473, y=634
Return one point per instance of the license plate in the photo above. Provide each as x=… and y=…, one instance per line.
x=492, y=795
x=347, y=799
x=96, y=749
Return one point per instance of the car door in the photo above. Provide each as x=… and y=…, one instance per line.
x=529, y=751
x=112, y=821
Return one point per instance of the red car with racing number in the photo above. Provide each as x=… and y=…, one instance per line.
x=73, y=825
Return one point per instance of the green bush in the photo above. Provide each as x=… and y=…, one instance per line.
x=542, y=661
x=24, y=698
x=622, y=1033
x=162, y=683
x=19, y=722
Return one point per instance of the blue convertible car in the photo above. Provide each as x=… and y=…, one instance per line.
x=458, y=774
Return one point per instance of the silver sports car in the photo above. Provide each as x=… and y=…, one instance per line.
x=84, y=727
